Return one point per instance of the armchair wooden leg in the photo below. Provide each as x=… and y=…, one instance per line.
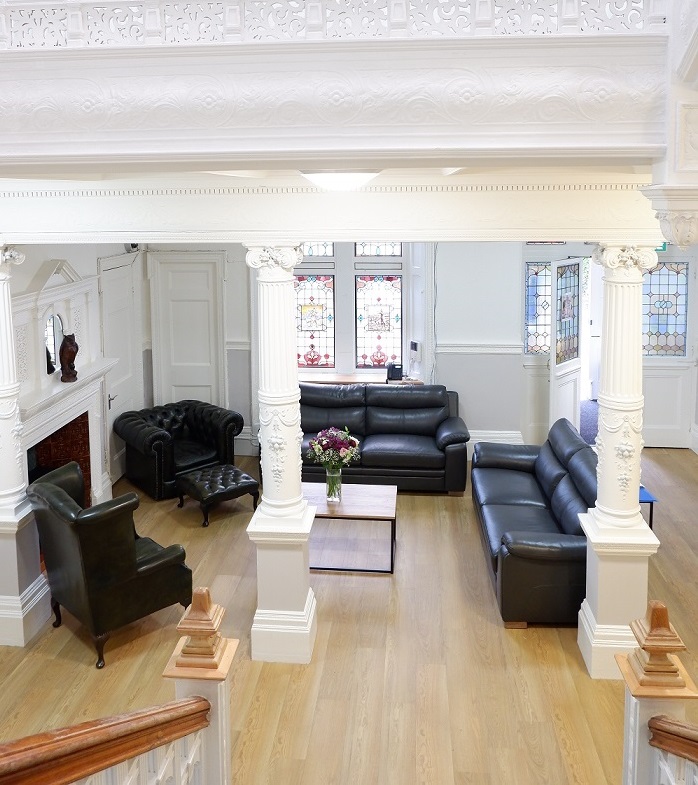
x=181, y=500
x=100, y=640
x=56, y=608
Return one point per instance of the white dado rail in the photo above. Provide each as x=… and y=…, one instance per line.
x=25, y=25
x=46, y=403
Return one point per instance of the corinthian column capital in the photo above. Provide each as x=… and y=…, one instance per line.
x=680, y=227
x=630, y=261
x=274, y=259
x=8, y=257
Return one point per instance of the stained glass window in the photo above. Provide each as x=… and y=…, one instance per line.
x=538, y=308
x=664, y=308
x=378, y=320
x=377, y=249
x=567, y=339
x=315, y=320
x=322, y=249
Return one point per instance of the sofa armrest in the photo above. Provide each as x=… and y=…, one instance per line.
x=216, y=426
x=493, y=455
x=451, y=431
x=545, y=546
x=139, y=434
x=172, y=554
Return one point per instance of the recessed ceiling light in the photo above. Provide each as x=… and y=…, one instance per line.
x=339, y=181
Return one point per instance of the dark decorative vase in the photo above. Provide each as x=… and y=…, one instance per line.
x=66, y=354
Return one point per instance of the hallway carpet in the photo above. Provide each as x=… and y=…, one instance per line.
x=589, y=421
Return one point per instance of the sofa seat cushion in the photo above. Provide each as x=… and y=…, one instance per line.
x=498, y=519
x=396, y=450
x=190, y=455
x=504, y=486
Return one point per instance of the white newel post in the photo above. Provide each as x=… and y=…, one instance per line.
x=284, y=625
x=24, y=603
x=619, y=542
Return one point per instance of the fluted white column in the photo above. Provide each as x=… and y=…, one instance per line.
x=619, y=542
x=284, y=625
x=24, y=605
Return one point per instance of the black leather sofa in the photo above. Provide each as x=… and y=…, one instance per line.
x=527, y=500
x=410, y=435
x=165, y=441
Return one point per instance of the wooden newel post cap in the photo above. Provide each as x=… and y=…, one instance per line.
x=652, y=663
x=201, y=623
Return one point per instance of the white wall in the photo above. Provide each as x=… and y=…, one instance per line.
x=479, y=334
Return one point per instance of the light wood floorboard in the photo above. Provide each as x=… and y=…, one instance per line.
x=414, y=678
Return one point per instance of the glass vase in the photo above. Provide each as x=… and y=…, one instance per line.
x=334, y=485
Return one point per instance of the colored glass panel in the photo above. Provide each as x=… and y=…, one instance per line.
x=322, y=249
x=567, y=338
x=377, y=249
x=378, y=320
x=315, y=320
x=538, y=308
x=664, y=309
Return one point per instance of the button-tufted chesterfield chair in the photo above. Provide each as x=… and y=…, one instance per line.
x=165, y=441
x=98, y=567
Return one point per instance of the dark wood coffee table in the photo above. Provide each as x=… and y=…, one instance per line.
x=359, y=503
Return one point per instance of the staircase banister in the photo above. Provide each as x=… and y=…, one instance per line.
x=65, y=755
x=674, y=736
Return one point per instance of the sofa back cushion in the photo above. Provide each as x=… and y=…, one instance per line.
x=417, y=409
x=548, y=470
x=565, y=440
x=171, y=417
x=582, y=468
x=333, y=406
x=567, y=503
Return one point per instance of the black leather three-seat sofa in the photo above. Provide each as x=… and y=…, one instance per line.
x=528, y=499
x=410, y=435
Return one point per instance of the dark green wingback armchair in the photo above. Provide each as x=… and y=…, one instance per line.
x=98, y=567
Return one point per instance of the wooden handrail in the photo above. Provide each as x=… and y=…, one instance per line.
x=66, y=755
x=679, y=738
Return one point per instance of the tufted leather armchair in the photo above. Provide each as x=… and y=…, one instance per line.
x=98, y=567
x=165, y=441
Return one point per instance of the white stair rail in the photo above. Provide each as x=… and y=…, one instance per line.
x=660, y=748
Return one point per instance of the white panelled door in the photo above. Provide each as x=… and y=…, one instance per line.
x=565, y=364
x=121, y=338
x=186, y=292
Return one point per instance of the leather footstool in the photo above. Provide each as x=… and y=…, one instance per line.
x=216, y=484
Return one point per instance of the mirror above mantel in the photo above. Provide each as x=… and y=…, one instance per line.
x=57, y=303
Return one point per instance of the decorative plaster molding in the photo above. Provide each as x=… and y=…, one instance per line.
x=476, y=97
x=277, y=422
x=687, y=137
x=139, y=23
x=686, y=48
x=679, y=228
x=88, y=192
x=8, y=257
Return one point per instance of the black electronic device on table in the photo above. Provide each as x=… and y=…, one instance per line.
x=394, y=371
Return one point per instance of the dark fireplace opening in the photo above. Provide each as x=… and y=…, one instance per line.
x=69, y=443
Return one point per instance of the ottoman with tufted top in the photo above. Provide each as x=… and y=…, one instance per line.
x=216, y=484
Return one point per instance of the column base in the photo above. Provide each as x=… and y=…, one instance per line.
x=285, y=636
x=599, y=644
x=21, y=618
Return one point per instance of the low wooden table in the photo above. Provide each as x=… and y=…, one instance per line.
x=359, y=502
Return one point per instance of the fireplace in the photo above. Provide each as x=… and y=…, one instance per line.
x=69, y=443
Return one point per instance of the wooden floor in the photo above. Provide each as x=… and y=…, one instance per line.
x=413, y=679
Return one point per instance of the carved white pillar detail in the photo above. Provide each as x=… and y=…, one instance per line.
x=619, y=441
x=11, y=467
x=284, y=626
x=619, y=542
